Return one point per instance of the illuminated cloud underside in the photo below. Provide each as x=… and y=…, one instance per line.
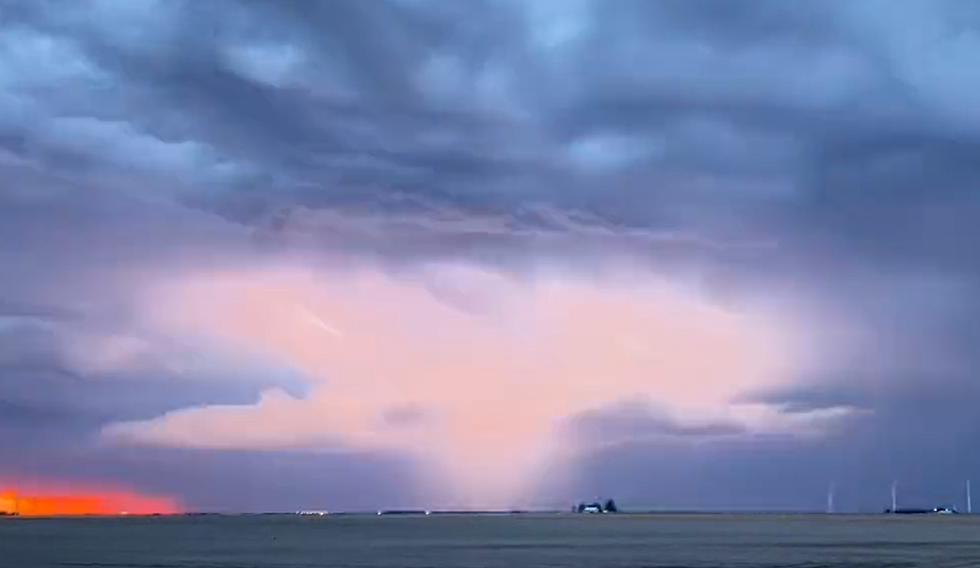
x=473, y=372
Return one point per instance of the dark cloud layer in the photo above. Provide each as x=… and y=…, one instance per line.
x=817, y=155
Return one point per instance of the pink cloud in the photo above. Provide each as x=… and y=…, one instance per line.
x=490, y=365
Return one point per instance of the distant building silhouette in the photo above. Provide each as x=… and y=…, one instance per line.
x=596, y=507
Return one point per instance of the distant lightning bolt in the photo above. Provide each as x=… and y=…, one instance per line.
x=315, y=320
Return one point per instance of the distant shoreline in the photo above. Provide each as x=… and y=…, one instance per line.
x=483, y=513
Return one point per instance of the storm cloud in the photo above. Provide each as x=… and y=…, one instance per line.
x=193, y=193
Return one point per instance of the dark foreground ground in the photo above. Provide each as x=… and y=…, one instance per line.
x=675, y=541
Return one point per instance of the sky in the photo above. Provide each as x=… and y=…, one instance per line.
x=265, y=256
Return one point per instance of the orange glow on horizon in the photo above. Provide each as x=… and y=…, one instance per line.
x=65, y=504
